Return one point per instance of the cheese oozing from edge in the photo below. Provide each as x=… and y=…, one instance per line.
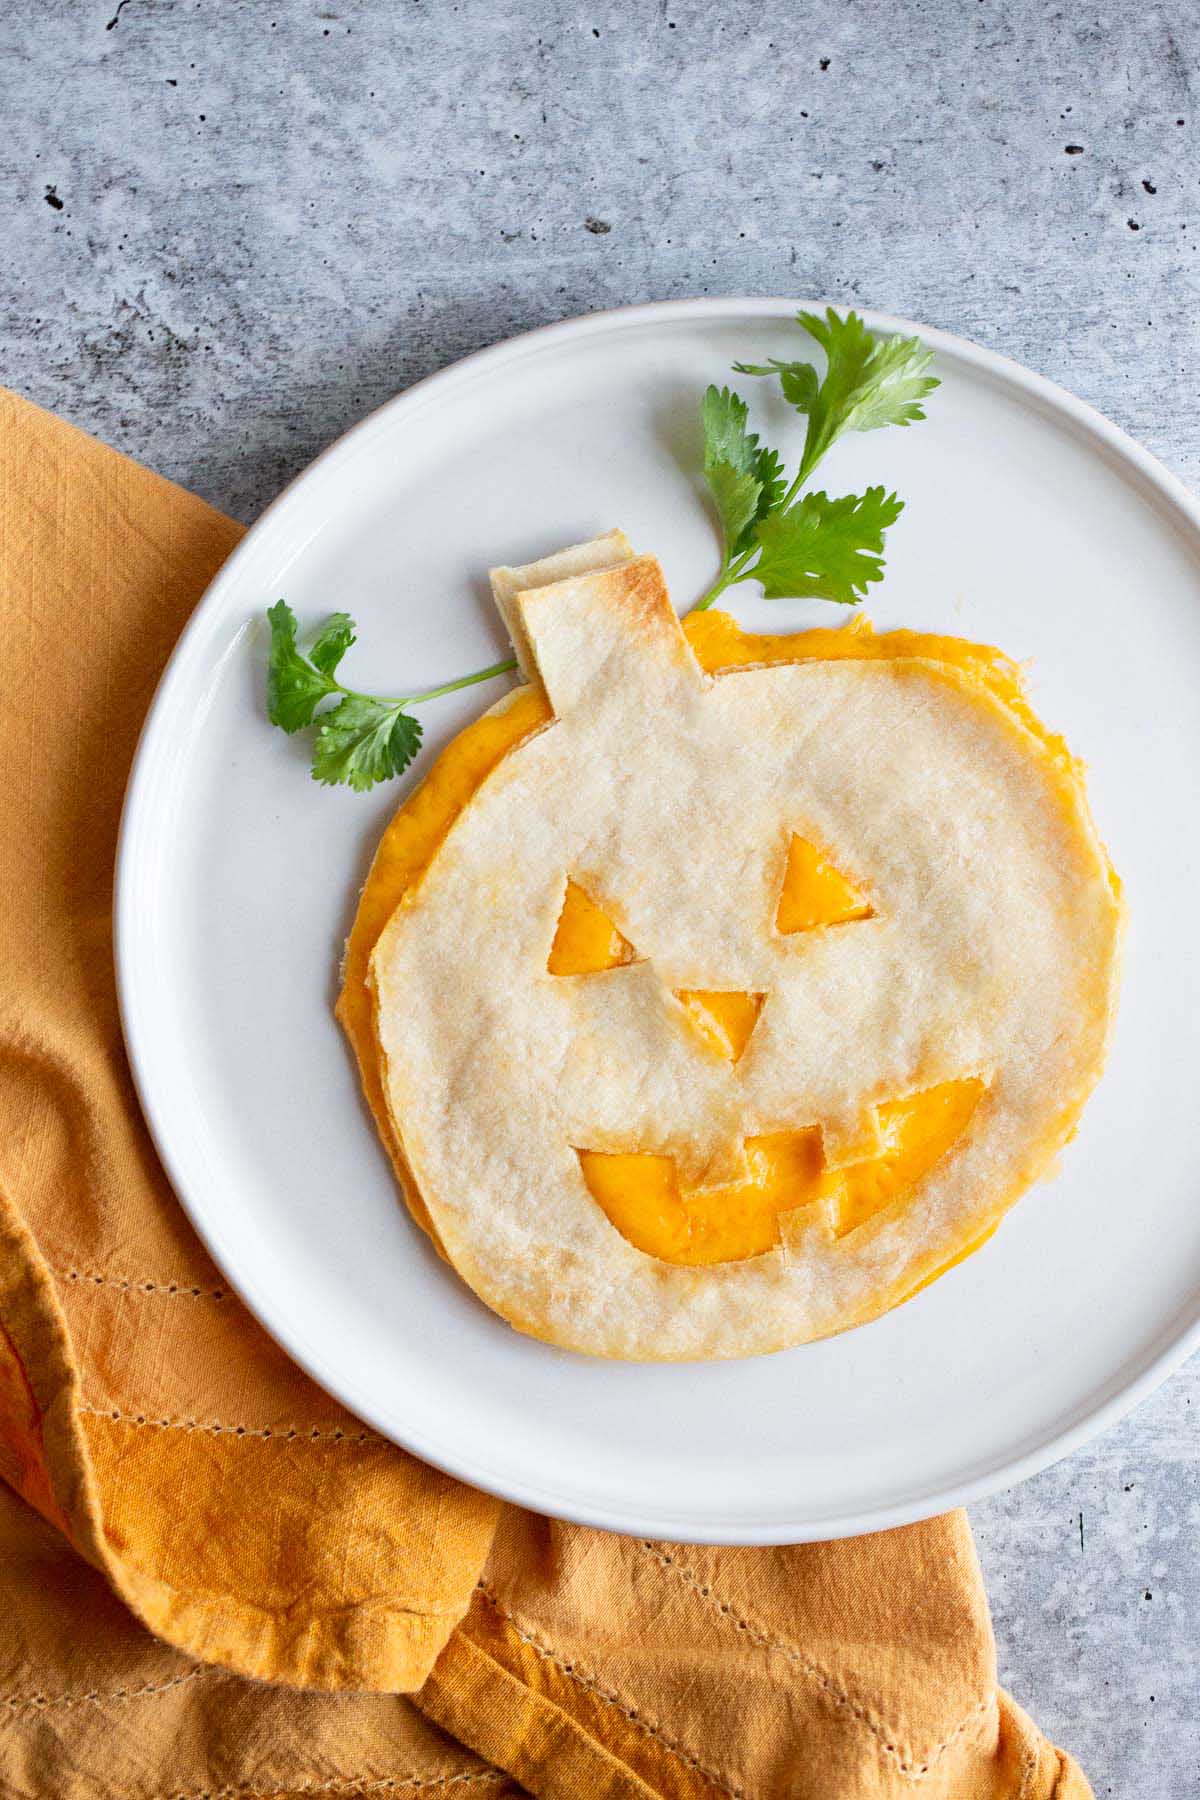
x=640, y=1192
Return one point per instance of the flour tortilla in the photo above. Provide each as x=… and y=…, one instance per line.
x=671, y=796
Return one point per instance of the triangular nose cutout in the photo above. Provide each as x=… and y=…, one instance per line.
x=725, y=1020
x=586, y=940
x=815, y=892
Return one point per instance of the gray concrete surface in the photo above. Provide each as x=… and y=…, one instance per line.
x=230, y=229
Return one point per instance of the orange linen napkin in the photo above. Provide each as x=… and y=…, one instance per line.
x=254, y=1531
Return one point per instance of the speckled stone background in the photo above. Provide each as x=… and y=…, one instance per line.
x=229, y=230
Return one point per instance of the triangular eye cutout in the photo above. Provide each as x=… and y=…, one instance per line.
x=725, y=1020
x=815, y=892
x=586, y=940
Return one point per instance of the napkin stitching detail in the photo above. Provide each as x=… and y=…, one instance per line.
x=163, y=1290
x=1030, y=1762
x=346, y=1784
x=39, y=1702
x=769, y=1641
x=592, y=1683
x=285, y=1434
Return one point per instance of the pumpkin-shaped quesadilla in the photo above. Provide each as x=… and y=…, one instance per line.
x=715, y=992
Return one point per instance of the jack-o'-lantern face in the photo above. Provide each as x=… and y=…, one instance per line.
x=731, y=1009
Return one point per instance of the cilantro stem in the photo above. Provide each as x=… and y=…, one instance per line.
x=805, y=470
x=447, y=687
x=731, y=574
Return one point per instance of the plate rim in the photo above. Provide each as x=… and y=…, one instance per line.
x=1176, y=1344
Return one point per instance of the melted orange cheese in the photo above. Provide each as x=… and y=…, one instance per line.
x=719, y=642
x=586, y=940
x=640, y=1192
x=405, y=851
x=642, y=1197
x=915, y=1133
x=785, y=1172
x=724, y=1019
x=814, y=892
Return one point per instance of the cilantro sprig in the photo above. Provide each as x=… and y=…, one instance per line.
x=796, y=545
x=362, y=738
x=810, y=546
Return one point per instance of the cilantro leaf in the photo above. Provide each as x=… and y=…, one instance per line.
x=363, y=738
x=295, y=688
x=768, y=470
x=744, y=476
x=332, y=642
x=723, y=415
x=825, y=549
x=869, y=382
x=811, y=546
x=737, y=496
x=729, y=456
x=799, y=380
x=361, y=741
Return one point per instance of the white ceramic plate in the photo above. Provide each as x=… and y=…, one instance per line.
x=1031, y=523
